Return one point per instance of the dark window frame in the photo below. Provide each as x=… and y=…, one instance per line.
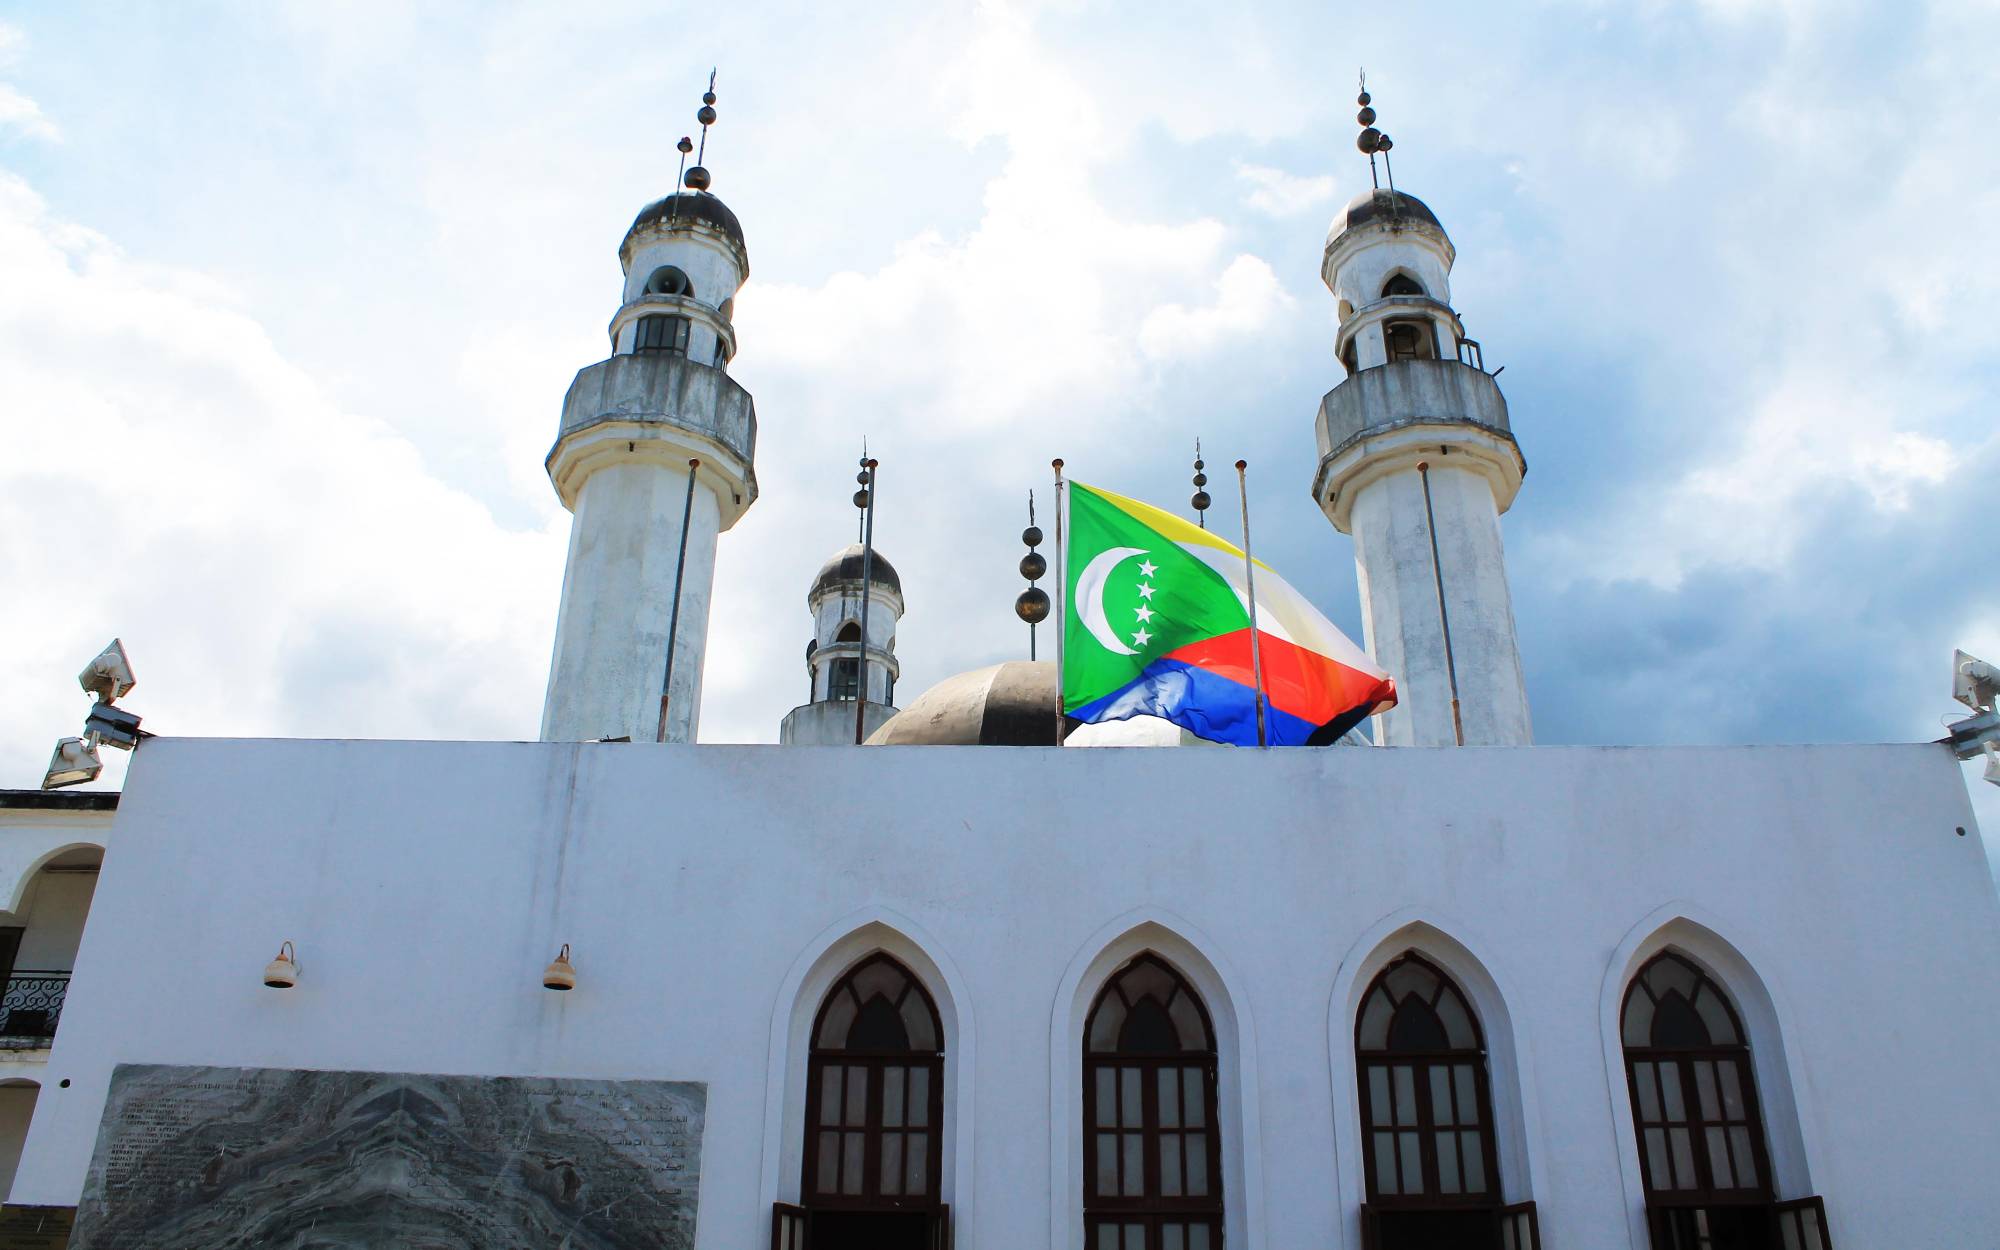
x=661, y=332
x=1152, y=1209
x=875, y=1065
x=1446, y=1061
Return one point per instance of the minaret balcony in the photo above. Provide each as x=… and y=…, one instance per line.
x=1394, y=416
x=658, y=407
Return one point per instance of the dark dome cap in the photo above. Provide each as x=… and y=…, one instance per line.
x=1009, y=704
x=845, y=566
x=692, y=206
x=1382, y=205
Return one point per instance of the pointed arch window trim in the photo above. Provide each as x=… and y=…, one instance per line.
x=1152, y=1147
x=875, y=1093
x=1426, y=1096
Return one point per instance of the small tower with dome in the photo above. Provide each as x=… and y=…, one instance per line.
x=840, y=670
x=1417, y=462
x=654, y=458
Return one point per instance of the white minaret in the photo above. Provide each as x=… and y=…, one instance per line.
x=839, y=668
x=631, y=425
x=1417, y=462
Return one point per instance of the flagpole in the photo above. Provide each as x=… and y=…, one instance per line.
x=1250, y=586
x=674, y=620
x=868, y=469
x=1062, y=595
x=1444, y=615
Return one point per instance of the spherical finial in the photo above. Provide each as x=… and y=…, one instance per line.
x=696, y=179
x=1366, y=116
x=1034, y=565
x=708, y=97
x=861, y=499
x=705, y=115
x=1369, y=140
x=1200, y=501
x=1032, y=536
x=1363, y=99
x=1386, y=144
x=685, y=146
x=1033, y=605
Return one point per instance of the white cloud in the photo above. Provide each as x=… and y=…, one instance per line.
x=18, y=113
x=275, y=565
x=1248, y=298
x=1281, y=194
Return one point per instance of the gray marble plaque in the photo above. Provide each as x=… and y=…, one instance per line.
x=284, y=1159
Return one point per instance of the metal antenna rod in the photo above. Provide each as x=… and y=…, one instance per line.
x=704, y=125
x=1444, y=616
x=674, y=620
x=867, y=573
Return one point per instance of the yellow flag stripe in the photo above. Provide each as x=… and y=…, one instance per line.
x=1169, y=525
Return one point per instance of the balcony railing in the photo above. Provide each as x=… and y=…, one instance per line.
x=791, y=1226
x=1512, y=1227
x=31, y=1007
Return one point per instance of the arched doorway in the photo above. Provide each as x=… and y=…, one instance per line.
x=1702, y=1149
x=875, y=1114
x=1152, y=1149
x=1428, y=1148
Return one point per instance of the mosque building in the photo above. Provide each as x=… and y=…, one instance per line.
x=1442, y=988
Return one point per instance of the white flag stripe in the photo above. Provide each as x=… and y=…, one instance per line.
x=1284, y=613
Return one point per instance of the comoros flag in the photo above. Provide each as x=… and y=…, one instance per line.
x=1157, y=623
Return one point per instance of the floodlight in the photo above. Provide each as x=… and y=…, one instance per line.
x=282, y=973
x=560, y=974
x=109, y=676
x=1992, y=772
x=1974, y=682
x=74, y=763
x=114, y=725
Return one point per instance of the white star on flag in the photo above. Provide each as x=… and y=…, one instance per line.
x=1141, y=638
x=1145, y=613
x=1145, y=590
x=1147, y=568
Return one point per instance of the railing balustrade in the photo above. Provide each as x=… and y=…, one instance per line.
x=31, y=1006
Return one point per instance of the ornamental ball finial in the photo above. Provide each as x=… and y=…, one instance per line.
x=685, y=146
x=1032, y=605
x=696, y=179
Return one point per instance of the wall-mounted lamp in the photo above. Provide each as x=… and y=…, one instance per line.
x=559, y=975
x=75, y=762
x=282, y=973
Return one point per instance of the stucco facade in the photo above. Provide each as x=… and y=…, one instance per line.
x=711, y=895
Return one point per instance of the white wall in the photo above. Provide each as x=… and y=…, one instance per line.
x=704, y=889
x=17, y=1107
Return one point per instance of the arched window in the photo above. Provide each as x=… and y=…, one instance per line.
x=667, y=280
x=843, y=682
x=1694, y=1103
x=661, y=334
x=1426, y=1112
x=1410, y=340
x=1402, y=284
x=875, y=1112
x=1152, y=1153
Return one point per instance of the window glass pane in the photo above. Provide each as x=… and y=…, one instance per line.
x=1107, y=1164
x=1447, y=1153
x=1649, y=1093
x=1704, y=1085
x=1468, y=1094
x=1146, y=979
x=1746, y=1158
x=1104, y=1026
x=917, y=1021
x=1406, y=1094
x=1195, y=1154
x=1670, y=1091
x=917, y=1160
x=1135, y=1237
x=1134, y=1164
x=1657, y=1172
x=1379, y=1106
x=857, y=1096
x=880, y=977
x=1683, y=1145
x=1638, y=1027
x=1718, y=1157
x=1457, y=1021
x=1474, y=1150
x=1410, y=977
x=1788, y=1227
x=827, y=1174
x=1198, y=1237
x=1171, y=1238
x=1732, y=1090
x=1194, y=1097
x=1169, y=1080
x=1128, y=1084
x=919, y=1106
x=1715, y=1014
x=1186, y=1016
x=1815, y=1238
x=892, y=1163
x=892, y=1097
x=829, y=1094
x=1107, y=1237
x=1441, y=1101
x=1170, y=1165
x=1107, y=1098
x=851, y=1146
x=1374, y=1031
x=1670, y=972
x=1385, y=1164
x=839, y=1016
x=1410, y=1147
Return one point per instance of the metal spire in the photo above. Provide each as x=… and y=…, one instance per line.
x=1371, y=140
x=1200, y=501
x=696, y=178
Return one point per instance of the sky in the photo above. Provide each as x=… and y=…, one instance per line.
x=290, y=294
